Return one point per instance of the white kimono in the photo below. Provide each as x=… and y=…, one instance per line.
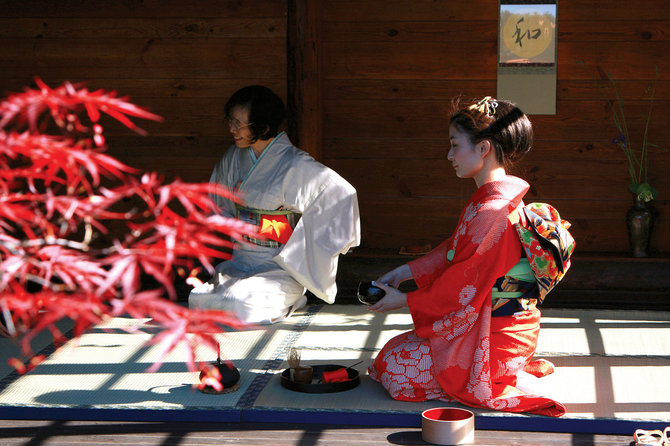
x=262, y=284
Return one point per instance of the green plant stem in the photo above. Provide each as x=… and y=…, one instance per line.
x=620, y=122
x=645, y=157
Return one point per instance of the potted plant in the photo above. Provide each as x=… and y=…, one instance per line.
x=640, y=217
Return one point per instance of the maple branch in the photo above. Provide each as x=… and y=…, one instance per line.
x=58, y=257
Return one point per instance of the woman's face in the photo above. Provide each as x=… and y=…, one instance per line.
x=466, y=157
x=238, y=123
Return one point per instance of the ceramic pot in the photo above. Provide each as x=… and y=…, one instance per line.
x=303, y=374
x=640, y=222
x=230, y=377
x=448, y=426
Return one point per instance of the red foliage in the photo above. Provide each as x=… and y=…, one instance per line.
x=60, y=192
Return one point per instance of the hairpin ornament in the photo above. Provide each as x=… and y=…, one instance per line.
x=486, y=106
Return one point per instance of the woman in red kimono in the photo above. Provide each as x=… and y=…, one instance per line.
x=471, y=339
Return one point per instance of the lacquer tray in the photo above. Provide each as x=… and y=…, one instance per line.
x=317, y=385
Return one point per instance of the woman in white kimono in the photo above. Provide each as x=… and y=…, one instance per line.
x=306, y=212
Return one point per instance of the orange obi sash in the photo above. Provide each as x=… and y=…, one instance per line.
x=275, y=226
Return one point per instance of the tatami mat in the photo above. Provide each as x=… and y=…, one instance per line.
x=11, y=349
x=106, y=368
x=612, y=373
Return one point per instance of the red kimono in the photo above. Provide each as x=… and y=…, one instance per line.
x=458, y=351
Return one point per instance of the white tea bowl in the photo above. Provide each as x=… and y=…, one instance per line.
x=448, y=426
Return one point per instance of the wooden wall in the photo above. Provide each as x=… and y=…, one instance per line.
x=181, y=59
x=370, y=83
x=390, y=67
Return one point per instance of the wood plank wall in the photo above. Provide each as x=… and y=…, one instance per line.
x=386, y=71
x=390, y=67
x=180, y=59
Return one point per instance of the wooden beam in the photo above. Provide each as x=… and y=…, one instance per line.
x=305, y=114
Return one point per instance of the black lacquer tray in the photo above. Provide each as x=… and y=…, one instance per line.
x=317, y=385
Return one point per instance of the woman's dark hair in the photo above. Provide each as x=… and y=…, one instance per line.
x=266, y=110
x=501, y=122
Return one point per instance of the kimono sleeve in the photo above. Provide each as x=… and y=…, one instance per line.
x=427, y=268
x=223, y=174
x=487, y=248
x=329, y=226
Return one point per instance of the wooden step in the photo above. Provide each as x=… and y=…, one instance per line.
x=594, y=280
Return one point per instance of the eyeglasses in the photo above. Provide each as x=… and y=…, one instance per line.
x=235, y=123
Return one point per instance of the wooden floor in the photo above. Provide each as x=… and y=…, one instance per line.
x=54, y=433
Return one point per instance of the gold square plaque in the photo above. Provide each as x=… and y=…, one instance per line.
x=527, y=33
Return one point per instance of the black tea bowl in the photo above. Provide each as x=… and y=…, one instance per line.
x=369, y=294
x=230, y=377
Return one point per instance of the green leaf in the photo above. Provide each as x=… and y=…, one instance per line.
x=643, y=191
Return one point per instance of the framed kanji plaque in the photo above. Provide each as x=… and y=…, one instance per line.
x=527, y=34
x=527, y=60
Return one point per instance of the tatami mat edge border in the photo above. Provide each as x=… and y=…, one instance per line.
x=501, y=421
x=140, y=415
x=258, y=384
x=508, y=422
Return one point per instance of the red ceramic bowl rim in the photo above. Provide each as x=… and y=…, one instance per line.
x=455, y=414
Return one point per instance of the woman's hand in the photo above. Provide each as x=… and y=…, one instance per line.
x=393, y=300
x=396, y=276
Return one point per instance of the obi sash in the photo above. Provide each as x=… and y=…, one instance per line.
x=515, y=291
x=275, y=226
